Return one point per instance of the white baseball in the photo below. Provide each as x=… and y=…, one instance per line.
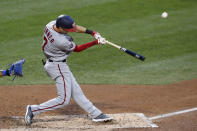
x=164, y=15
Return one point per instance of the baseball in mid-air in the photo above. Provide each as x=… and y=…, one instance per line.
x=164, y=15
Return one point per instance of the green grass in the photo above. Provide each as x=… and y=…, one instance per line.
x=169, y=44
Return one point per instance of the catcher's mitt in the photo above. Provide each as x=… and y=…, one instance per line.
x=16, y=68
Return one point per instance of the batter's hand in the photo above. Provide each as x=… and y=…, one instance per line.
x=101, y=40
x=96, y=35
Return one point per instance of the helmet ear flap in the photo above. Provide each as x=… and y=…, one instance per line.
x=57, y=25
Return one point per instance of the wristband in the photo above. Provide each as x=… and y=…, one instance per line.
x=90, y=32
x=6, y=73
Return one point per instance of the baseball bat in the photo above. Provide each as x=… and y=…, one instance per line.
x=130, y=52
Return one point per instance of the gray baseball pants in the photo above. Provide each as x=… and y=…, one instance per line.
x=67, y=88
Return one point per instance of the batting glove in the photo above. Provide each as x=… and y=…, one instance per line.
x=96, y=35
x=101, y=40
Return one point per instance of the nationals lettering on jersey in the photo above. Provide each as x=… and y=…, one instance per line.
x=56, y=46
x=48, y=35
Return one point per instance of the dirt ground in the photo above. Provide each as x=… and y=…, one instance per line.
x=147, y=99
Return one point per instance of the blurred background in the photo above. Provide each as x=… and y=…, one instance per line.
x=169, y=45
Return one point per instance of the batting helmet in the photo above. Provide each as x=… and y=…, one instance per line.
x=66, y=22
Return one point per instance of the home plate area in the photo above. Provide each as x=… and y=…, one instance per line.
x=83, y=122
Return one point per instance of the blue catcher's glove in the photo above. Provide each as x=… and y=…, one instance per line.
x=17, y=68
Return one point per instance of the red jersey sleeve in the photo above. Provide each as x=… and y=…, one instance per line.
x=82, y=47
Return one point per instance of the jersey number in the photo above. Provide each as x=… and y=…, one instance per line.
x=45, y=43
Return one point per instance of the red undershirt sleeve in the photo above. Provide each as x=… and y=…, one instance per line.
x=82, y=47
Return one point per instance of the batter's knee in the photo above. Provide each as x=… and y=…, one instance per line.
x=63, y=101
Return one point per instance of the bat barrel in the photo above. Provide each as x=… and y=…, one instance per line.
x=138, y=56
x=142, y=58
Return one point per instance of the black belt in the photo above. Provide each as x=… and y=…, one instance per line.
x=57, y=61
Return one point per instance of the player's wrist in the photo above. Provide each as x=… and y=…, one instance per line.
x=6, y=72
x=96, y=42
x=91, y=32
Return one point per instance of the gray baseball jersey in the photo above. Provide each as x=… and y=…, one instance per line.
x=58, y=47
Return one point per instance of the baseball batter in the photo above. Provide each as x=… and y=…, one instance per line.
x=57, y=46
